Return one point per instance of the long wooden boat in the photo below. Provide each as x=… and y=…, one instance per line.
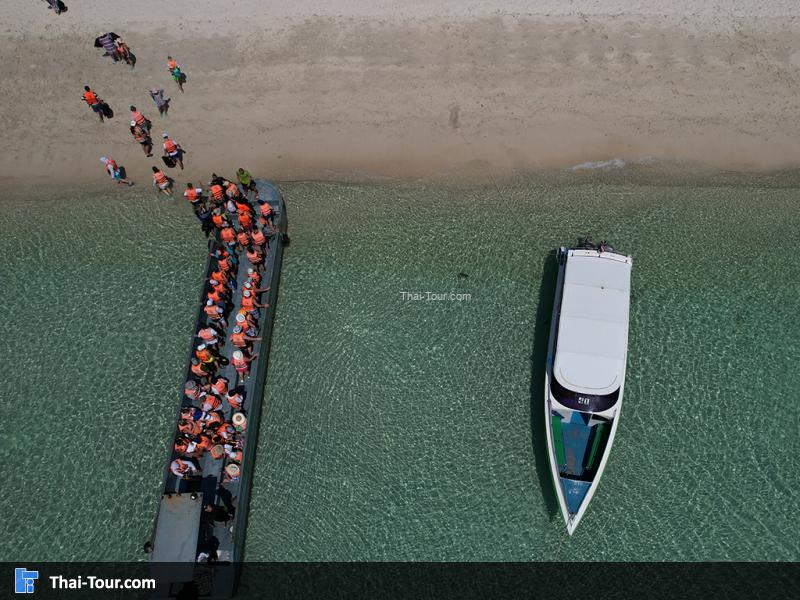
x=585, y=370
x=191, y=551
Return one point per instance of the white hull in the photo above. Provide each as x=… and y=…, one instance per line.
x=572, y=519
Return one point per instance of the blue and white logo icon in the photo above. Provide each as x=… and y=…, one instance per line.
x=23, y=580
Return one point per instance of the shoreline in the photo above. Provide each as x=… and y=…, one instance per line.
x=406, y=93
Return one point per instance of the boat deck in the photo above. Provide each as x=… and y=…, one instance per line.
x=225, y=539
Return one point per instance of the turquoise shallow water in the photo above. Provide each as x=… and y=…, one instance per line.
x=403, y=430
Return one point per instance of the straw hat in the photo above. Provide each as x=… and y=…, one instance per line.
x=217, y=452
x=233, y=470
x=239, y=420
x=237, y=329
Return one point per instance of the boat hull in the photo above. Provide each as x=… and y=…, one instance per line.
x=575, y=438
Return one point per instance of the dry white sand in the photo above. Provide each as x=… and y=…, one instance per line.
x=326, y=88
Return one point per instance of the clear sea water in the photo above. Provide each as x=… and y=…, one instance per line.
x=409, y=430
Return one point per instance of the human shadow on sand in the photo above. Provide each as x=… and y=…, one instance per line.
x=541, y=335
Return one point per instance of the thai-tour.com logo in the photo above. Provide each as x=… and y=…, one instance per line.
x=24, y=580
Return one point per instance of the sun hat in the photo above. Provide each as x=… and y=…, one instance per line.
x=201, y=347
x=240, y=318
x=238, y=355
x=239, y=420
x=103, y=159
x=246, y=293
x=217, y=452
x=237, y=329
x=210, y=302
x=133, y=123
x=232, y=470
x=164, y=135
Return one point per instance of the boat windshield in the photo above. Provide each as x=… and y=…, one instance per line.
x=580, y=401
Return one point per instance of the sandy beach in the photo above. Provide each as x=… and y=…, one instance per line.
x=325, y=89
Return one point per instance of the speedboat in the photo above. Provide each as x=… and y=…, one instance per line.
x=585, y=371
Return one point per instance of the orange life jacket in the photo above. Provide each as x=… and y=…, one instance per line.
x=254, y=256
x=211, y=311
x=169, y=146
x=138, y=117
x=191, y=195
x=238, y=340
x=207, y=333
x=248, y=303
x=245, y=220
x=235, y=400
x=243, y=238
x=243, y=207
x=216, y=192
x=160, y=178
x=111, y=164
x=227, y=234
x=240, y=364
x=211, y=403
x=220, y=386
x=233, y=190
x=255, y=278
x=171, y=64
x=259, y=238
x=266, y=209
x=90, y=98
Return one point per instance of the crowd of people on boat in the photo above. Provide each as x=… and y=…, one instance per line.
x=213, y=419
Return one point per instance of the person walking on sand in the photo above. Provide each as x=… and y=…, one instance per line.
x=175, y=70
x=140, y=119
x=114, y=171
x=173, y=150
x=141, y=136
x=162, y=104
x=162, y=182
x=94, y=101
x=124, y=53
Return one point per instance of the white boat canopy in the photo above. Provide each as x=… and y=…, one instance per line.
x=592, y=343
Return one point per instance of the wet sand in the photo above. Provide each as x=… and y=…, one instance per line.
x=349, y=90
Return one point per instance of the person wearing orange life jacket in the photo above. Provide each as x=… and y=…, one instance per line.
x=265, y=210
x=248, y=285
x=193, y=194
x=246, y=221
x=218, y=219
x=203, y=353
x=124, y=52
x=210, y=403
x=203, y=371
x=241, y=363
x=184, y=468
x=181, y=444
x=143, y=138
x=219, y=386
x=162, y=182
x=210, y=334
x=246, y=321
x=232, y=190
x=140, y=119
x=234, y=454
x=173, y=150
x=241, y=340
x=235, y=399
x=215, y=312
x=259, y=239
x=217, y=193
x=254, y=276
x=114, y=170
x=175, y=70
x=255, y=256
x=249, y=302
x=243, y=239
x=94, y=102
